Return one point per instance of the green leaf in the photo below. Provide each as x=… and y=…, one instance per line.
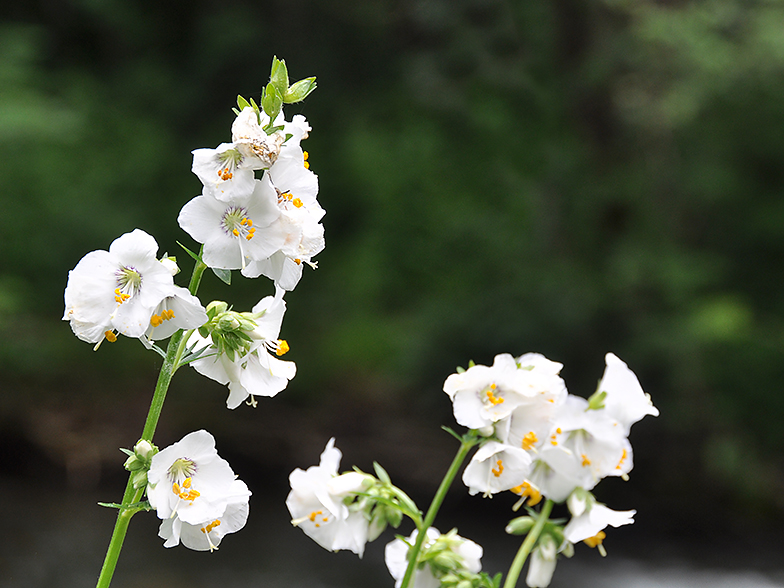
x=191, y=253
x=242, y=103
x=381, y=473
x=223, y=275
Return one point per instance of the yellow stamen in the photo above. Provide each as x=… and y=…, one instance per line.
x=586, y=461
x=500, y=470
x=305, y=157
x=283, y=347
x=528, y=492
x=167, y=315
x=156, y=320
x=297, y=202
x=235, y=232
x=623, y=459
x=110, y=336
x=225, y=174
x=529, y=440
x=491, y=397
x=596, y=540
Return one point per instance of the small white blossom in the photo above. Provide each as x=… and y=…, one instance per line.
x=496, y=467
x=316, y=504
x=208, y=535
x=117, y=290
x=542, y=564
x=181, y=310
x=257, y=373
x=190, y=481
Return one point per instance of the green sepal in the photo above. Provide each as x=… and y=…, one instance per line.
x=596, y=401
x=127, y=452
x=381, y=473
x=223, y=275
x=299, y=90
x=272, y=101
x=279, y=75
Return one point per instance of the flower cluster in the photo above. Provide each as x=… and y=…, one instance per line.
x=257, y=213
x=542, y=441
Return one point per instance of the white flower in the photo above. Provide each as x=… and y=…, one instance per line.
x=117, y=290
x=258, y=373
x=236, y=232
x=181, y=310
x=496, y=467
x=208, y=535
x=483, y=396
x=589, y=525
x=221, y=171
x=542, y=564
x=188, y=480
x=455, y=551
x=625, y=401
x=316, y=504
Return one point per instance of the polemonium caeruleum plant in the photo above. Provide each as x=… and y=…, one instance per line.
x=534, y=439
x=257, y=213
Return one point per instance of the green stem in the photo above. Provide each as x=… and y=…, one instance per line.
x=174, y=352
x=528, y=545
x=466, y=444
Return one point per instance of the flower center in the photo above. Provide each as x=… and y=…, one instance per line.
x=529, y=440
x=490, y=395
x=129, y=282
x=526, y=491
x=206, y=530
x=182, y=468
x=236, y=222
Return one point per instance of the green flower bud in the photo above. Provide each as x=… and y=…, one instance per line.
x=215, y=308
x=272, y=101
x=228, y=322
x=279, y=75
x=299, y=90
x=520, y=526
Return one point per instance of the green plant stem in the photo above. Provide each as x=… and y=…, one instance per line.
x=174, y=352
x=413, y=554
x=528, y=545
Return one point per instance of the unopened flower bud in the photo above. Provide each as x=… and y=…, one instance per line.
x=519, y=526
x=299, y=90
x=228, y=322
x=170, y=263
x=143, y=448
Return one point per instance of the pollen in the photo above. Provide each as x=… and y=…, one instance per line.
x=120, y=297
x=305, y=157
x=491, y=397
x=623, y=459
x=525, y=490
x=596, y=540
x=283, y=348
x=586, y=462
x=110, y=336
x=211, y=526
x=156, y=320
x=236, y=222
x=224, y=174
x=529, y=440
x=297, y=203
x=185, y=492
x=497, y=472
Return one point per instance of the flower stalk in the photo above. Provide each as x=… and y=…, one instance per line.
x=132, y=495
x=528, y=544
x=468, y=441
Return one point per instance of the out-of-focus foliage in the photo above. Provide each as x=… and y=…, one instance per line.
x=565, y=177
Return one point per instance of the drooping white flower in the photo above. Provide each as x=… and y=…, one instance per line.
x=625, y=401
x=237, y=232
x=496, y=467
x=258, y=372
x=588, y=527
x=208, y=535
x=117, y=290
x=542, y=564
x=461, y=554
x=190, y=481
x=316, y=504
x=181, y=310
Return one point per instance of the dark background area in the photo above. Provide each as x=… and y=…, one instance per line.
x=567, y=177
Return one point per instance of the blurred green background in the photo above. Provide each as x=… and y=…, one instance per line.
x=567, y=177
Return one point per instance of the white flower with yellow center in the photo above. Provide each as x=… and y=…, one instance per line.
x=258, y=372
x=222, y=173
x=316, y=504
x=588, y=527
x=237, y=232
x=208, y=535
x=188, y=480
x=496, y=467
x=181, y=310
x=117, y=290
